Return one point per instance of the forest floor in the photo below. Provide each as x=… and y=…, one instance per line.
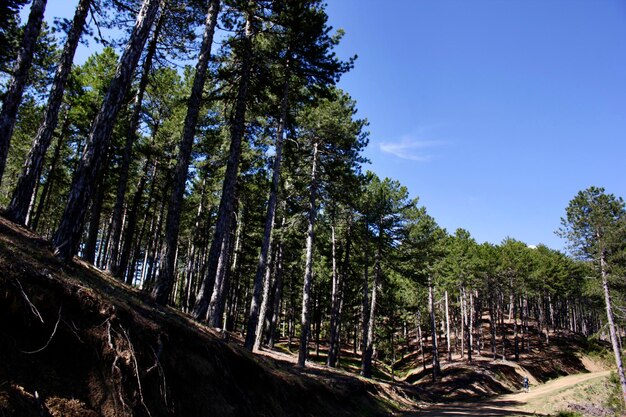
x=76, y=342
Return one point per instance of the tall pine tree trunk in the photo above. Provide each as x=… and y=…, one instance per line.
x=23, y=193
x=163, y=288
x=13, y=97
x=225, y=210
x=368, y=343
x=278, y=289
x=131, y=223
x=433, y=330
x=89, y=251
x=67, y=235
x=365, y=292
x=448, y=349
x=214, y=313
x=308, y=267
x=611, y=323
x=52, y=168
x=337, y=300
x=113, y=264
x=420, y=338
x=265, y=300
x=262, y=266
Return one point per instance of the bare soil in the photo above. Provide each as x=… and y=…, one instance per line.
x=530, y=403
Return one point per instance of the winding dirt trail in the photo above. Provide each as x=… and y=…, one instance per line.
x=519, y=404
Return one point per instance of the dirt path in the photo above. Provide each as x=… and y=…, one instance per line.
x=519, y=404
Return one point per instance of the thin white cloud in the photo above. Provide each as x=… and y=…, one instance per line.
x=410, y=148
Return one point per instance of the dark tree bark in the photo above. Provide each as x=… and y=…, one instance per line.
x=89, y=252
x=235, y=287
x=265, y=301
x=214, y=313
x=493, y=322
x=278, y=290
x=14, y=93
x=225, y=210
x=131, y=223
x=308, y=267
x=67, y=236
x=52, y=167
x=436, y=369
x=163, y=287
x=365, y=292
x=18, y=209
x=368, y=343
x=448, y=349
x=252, y=336
x=339, y=279
x=113, y=264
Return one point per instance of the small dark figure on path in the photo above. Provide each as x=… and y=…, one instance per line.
x=526, y=384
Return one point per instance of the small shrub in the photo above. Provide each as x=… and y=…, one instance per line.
x=614, y=401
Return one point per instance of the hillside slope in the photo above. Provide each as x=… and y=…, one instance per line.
x=74, y=342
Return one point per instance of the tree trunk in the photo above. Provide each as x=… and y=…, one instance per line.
x=308, y=267
x=433, y=330
x=131, y=223
x=420, y=338
x=225, y=210
x=13, y=96
x=449, y=351
x=265, y=300
x=611, y=322
x=163, y=287
x=368, y=343
x=214, y=312
x=56, y=155
x=515, y=331
x=492, y=326
x=339, y=278
x=252, y=336
x=89, y=252
x=365, y=291
x=278, y=288
x=334, y=292
x=22, y=195
x=113, y=265
x=470, y=327
x=233, y=295
x=67, y=235
x=463, y=306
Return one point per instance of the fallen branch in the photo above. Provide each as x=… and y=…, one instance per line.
x=33, y=309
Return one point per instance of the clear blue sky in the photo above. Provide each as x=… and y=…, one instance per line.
x=495, y=113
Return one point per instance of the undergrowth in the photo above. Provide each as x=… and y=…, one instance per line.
x=615, y=401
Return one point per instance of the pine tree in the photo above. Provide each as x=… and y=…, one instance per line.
x=595, y=225
x=67, y=235
x=305, y=62
x=9, y=25
x=22, y=65
x=237, y=124
x=163, y=288
x=18, y=209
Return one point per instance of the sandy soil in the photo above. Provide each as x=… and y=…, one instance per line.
x=519, y=404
